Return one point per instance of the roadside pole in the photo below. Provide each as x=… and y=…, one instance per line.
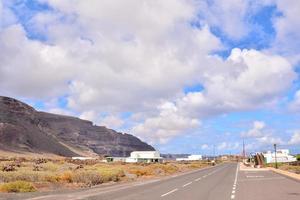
x=275, y=149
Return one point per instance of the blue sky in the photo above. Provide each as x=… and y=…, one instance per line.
x=189, y=77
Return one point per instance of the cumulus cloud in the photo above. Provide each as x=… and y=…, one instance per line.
x=228, y=146
x=111, y=122
x=241, y=86
x=295, y=139
x=31, y=68
x=168, y=124
x=256, y=131
x=294, y=105
x=137, y=56
x=229, y=16
x=204, y=146
x=287, y=25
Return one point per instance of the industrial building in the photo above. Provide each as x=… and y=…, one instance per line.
x=190, y=158
x=138, y=157
x=282, y=155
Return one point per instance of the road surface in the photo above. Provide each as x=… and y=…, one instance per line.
x=222, y=182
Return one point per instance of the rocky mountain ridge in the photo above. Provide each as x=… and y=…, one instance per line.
x=23, y=129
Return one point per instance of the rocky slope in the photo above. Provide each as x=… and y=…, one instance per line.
x=23, y=129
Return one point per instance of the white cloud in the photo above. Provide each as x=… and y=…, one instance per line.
x=60, y=111
x=256, y=131
x=294, y=105
x=111, y=121
x=295, y=139
x=269, y=140
x=168, y=124
x=89, y=115
x=204, y=146
x=287, y=25
x=111, y=56
x=229, y=16
x=6, y=16
x=238, y=85
x=228, y=146
x=30, y=68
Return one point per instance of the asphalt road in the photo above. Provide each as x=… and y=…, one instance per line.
x=217, y=183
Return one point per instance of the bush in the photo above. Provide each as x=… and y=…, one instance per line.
x=67, y=177
x=17, y=186
x=89, y=177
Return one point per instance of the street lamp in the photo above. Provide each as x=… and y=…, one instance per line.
x=276, y=166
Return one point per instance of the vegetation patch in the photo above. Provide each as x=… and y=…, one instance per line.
x=17, y=186
x=69, y=173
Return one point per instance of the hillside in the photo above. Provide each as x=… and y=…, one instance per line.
x=23, y=129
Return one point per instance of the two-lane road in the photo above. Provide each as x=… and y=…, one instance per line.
x=222, y=182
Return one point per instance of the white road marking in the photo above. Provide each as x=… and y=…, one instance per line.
x=255, y=176
x=198, y=179
x=187, y=184
x=169, y=192
x=234, y=184
x=262, y=179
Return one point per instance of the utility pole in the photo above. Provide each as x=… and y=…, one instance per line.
x=214, y=152
x=275, y=149
x=244, y=152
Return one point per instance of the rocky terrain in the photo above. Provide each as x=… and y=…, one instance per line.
x=23, y=129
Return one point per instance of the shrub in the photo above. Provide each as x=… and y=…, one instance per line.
x=89, y=177
x=67, y=176
x=50, y=166
x=17, y=186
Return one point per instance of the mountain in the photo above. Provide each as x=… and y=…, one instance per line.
x=23, y=129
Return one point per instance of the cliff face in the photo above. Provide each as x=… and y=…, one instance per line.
x=23, y=129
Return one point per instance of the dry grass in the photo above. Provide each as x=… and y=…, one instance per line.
x=290, y=168
x=17, y=186
x=62, y=172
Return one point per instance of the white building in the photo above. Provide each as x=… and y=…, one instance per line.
x=190, y=158
x=114, y=159
x=281, y=154
x=144, y=156
x=137, y=156
x=83, y=158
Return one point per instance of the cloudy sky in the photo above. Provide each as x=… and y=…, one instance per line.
x=186, y=76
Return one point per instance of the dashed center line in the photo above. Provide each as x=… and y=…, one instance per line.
x=235, y=182
x=187, y=184
x=198, y=179
x=255, y=176
x=169, y=192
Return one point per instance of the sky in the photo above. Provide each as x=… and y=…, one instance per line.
x=186, y=76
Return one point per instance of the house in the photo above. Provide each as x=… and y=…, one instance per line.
x=83, y=158
x=190, y=158
x=138, y=156
x=114, y=159
x=144, y=156
x=282, y=155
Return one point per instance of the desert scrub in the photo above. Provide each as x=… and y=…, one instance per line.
x=195, y=165
x=50, y=166
x=66, y=176
x=96, y=176
x=87, y=177
x=29, y=176
x=17, y=186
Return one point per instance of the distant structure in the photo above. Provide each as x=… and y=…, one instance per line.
x=83, y=158
x=138, y=157
x=283, y=155
x=190, y=158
